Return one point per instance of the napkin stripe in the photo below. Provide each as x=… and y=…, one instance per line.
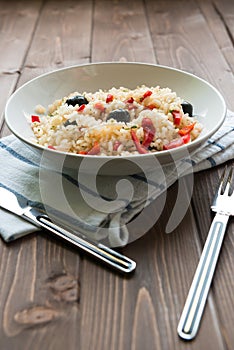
x=216, y=144
x=148, y=181
x=212, y=161
x=34, y=204
x=189, y=161
x=17, y=155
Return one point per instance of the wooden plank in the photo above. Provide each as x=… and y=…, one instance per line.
x=121, y=33
x=62, y=38
x=17, y=23
x=225, y=9
x=40, y=297
x=182, y=39
x=7, y=86
x=220, y=19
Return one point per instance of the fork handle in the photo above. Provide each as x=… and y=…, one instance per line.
x=196, y=299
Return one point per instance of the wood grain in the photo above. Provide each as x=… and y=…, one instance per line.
x=219, y=16
x=120, y=32
x=62, y=37
x=18, y=21
x=188, y=43
x=16, y=30
x=7, y=86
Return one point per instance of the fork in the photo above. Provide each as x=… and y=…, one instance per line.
x=223, y=205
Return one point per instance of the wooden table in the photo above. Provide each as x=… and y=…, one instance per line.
x=55, y=297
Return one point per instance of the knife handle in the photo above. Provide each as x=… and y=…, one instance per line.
x=195, y=302
x=98, y=250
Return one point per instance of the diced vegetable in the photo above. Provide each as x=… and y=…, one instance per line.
x=109, y=98
x=35, y=118
x=99, y=106
x=173, y=144
x=152, y=106
x=149, y=131
x=146, y=94
x=186, y=129
x=130, y=100
x=81, y=108
x=177, y=142
x=176, y=117
x=186, y=138
x=141, y=149
x=95, y=149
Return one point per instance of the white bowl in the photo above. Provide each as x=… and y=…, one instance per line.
x=209, y=108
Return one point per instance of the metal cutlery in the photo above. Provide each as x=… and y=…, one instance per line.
x=223, y=205
x=19, y=206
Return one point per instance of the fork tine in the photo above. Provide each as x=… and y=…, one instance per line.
x=229, y=180
x=220, y=190
x=221, y=182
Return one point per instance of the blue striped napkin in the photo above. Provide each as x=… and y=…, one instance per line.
x=76, y=205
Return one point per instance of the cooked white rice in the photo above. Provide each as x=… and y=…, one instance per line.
x=86, y=129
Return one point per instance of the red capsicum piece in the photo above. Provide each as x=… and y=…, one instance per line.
x=141, y=149
x=94, y=150
x=176, y=117
x=35, y=118
x=130, y=100
x=177, y=142
x=81, y=108
x=146, y=94
x=99, y=106
x=186, y=129
x=109, y=98
x=149, y=131
x=152, y=106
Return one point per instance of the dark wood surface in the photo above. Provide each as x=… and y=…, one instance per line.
x=53, y=296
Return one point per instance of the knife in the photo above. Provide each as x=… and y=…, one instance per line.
x=19, y=206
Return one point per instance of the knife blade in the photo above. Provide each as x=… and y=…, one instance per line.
x=19, y=205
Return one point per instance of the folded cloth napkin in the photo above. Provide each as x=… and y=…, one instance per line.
x=102, y=214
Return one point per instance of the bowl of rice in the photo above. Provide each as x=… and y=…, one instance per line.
x=119, y=118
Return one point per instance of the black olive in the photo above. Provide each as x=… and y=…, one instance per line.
x=68, y=122
x=120, y=115
x=187, y=108
x=77, y=100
